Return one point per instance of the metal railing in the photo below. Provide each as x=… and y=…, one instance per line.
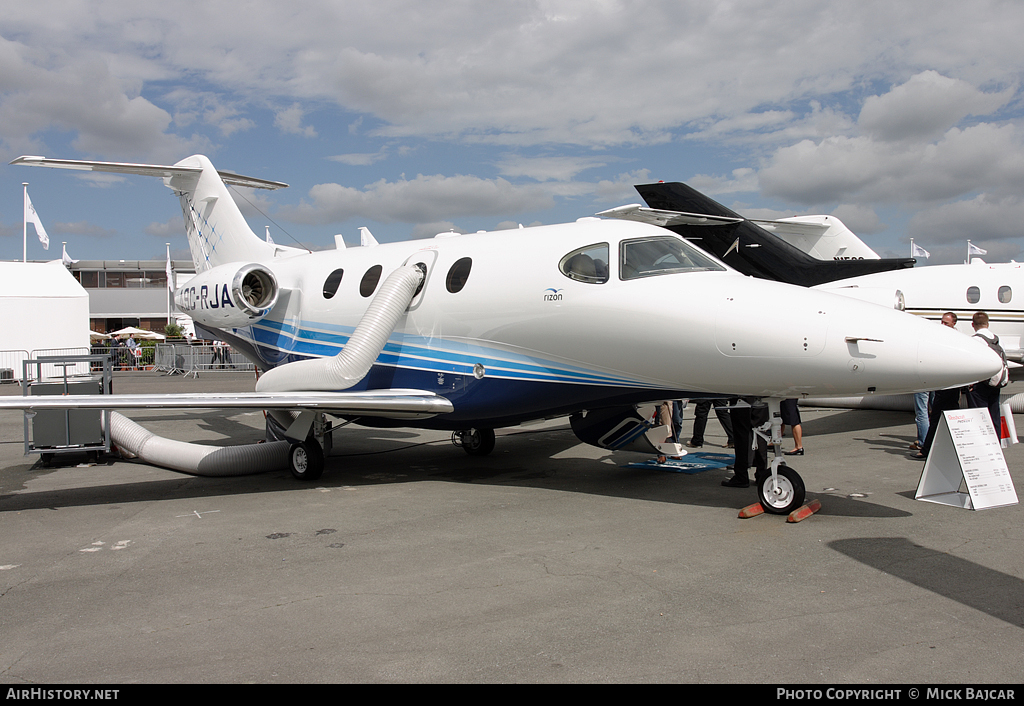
x=124, y=358
x=12, y=370
x=195, y=359
x=168, y=357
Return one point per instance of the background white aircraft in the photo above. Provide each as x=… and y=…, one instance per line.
x=473, y=332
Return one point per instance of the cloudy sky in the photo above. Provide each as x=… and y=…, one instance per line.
x=414, y=117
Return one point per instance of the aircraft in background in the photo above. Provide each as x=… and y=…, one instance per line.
x=776, y=250
x=473, y=332
x=929, y=292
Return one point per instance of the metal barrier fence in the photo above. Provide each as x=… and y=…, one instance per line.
x=193, y=360
x=168, y=357
x=12, y=364
x=123, y=358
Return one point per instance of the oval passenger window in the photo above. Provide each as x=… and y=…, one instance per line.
x=332, y=282
x=370, y=280
x=973, y=295
x=458, y=274
x=1005, y=295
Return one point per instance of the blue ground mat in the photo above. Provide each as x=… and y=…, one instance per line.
x=690, y=463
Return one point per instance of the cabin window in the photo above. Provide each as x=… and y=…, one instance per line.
x=589, y=264
x=369, y=282
x=1005, y=295
x=661, y=255
x=973, y=295
x=458, y=275
x=332, y=282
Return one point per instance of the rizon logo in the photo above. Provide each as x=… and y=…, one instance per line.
x=552, y=295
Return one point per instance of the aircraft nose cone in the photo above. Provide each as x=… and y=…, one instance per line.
x=948, y=358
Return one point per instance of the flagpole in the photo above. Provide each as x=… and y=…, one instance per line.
x=968, y=252
x=911, y=247
x=24, y=223
x=170, y=274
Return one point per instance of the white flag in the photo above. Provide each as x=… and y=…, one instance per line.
x=32, y=217
x=973, y=249
x=170, y=272
x=270, y=240
x=917, y=251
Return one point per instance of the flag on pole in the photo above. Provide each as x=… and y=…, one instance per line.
x=65, y=258
x=973, y=249
x=169, y=270
x=32, y=217
x=917, y=251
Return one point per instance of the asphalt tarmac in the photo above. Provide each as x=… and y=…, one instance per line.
x=547, y=561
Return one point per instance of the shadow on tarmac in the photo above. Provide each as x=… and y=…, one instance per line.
x=534, y=459
x=993, y=592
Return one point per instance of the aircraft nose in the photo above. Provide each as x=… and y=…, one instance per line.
x=948, y=358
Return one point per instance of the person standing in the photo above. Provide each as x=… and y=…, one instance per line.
x=941, y=401
x=700, y=421
x=747, y=414
x=985, y=393
x=790, y=411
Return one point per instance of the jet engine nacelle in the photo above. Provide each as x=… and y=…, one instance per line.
x=883, y=296
x=229, y=296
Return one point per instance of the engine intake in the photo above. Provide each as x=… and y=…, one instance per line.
x=229, y=296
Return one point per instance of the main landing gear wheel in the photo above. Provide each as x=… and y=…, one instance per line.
x=306, y=460
x=475, y=442
x=785, y=496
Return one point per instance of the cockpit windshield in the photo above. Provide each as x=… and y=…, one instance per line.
x=661, y=255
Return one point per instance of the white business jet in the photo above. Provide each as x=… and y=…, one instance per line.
x=473, y=332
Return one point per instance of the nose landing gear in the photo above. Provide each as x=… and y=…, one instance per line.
x=782, y=490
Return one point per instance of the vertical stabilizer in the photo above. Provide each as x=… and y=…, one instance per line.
x=217, y=232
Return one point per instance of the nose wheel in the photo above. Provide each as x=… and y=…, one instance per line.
x=782, y=492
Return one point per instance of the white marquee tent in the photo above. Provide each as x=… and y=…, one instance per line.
x=43, y=311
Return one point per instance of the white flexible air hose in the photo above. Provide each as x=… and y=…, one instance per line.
x=366, y=343
x=320, y=374
x=196, y=459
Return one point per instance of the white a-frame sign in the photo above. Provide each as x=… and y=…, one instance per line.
x=966, y=452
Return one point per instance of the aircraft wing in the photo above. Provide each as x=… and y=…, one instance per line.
x=661, y=217
x=389, y=404
x=145, y=170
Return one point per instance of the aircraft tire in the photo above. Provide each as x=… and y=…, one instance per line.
x=787, y=497
x=478, y=442
x=306, y=460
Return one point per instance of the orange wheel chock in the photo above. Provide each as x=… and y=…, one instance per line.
x=751, y=511
x=804, y=512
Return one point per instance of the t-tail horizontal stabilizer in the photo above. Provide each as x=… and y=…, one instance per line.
x=217, y=232
x=155, y=170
